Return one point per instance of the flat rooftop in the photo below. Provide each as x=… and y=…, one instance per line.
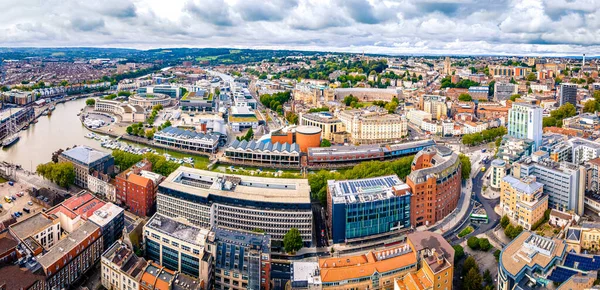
x=64, y=246
x=529, y=250
x=203, y=183
x=365, y=190
x=31, y=225
x=5, y=114
x=178, y=230
x=83, y=204
x=244, y=239
x=106, y=214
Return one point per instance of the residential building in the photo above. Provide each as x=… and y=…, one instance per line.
x=187, y=140
x=157, y=277
x=583, y=150
x=8, y=248
x=324, y=120
x=373, y=127
x=237, y=202
x=39, y=230
x=16, y=277
x=19, y=116
x=179, y=246
x=564, y=182
x=435, y=183
x=103, y=185
x=365, y=208
x=436, y=259
x=436, y=106
x=529, y=255
x=242, y=260
x=367, y=94
x=523, y=200
x=479, y=93
x=136, y=188
x=120, y=268
x=525, y=122
x=568, y=94
x=85, y=159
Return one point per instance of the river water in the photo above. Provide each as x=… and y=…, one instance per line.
x=61, y=130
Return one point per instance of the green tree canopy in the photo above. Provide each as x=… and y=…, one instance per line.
x=465, y=166
x=292, y=241
x=473, y=280
x=473, y=243
x=62, y=173
x=325, y=143
x=464, y=97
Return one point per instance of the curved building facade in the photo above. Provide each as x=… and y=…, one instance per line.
x=147, y=101
x=308, y=136
x=435, y=183
x=498, y=172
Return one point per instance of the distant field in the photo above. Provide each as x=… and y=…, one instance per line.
x=212, y=57
x=232, y=51
x=58, y=54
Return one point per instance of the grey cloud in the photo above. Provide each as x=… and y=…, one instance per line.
x=125, y=12
x=265, y=10
x=86, y=24
x=210, y=11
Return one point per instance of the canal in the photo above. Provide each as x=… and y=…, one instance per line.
x=61, y=130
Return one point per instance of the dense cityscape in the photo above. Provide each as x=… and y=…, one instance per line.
x=245, y=167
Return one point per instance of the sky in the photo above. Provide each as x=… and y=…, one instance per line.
x=457, y=27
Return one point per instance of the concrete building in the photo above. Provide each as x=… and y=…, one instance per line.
x=187, y=139
x=238, y=202
x=479, y=93
x=435, y=183
x=324, y=120
x=498, y=173
x=241, y=118
x=242, y=260
x=366, y=208
x=436, y=106
x=583, y=150
x=110, y=218
x=85, y=159
x=503, y=91
x=525, y=122
x=127, y=112
x=368, y=127
x=564, y=183
x=568, y=94
x=179, y=246
x=593, y=176
x=171, y=91
x=19, y=116
x=417, y=117
x=523, y=200
x=367, y=94
x=200, y=101
x=148, y=101
x=120, y=268
x=264, y=153
x=103, y=185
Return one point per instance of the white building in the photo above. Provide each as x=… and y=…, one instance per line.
x=583, y=150
x=525, y=122
x=99, y=183
x=127, y=112
x=369, y=127
x=416, y=117
x=242, y=118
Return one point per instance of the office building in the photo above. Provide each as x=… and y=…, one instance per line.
x=435, y=183
x=200, y=101
x=110, y=218
x=479, y=93
x=148, y=101
x=156, y=277
x=568, y=94
x=498, y=173
x=593, y=177
x=364, y=208
x=564, y=182
x=187, y=140
x=171, y=91
x=136, y=188
x=436, y=106
x=417, y=117
x=242, y=260
x=527, y=256
x=241, y=118
x=525, y=122
x=85, y=159
x=523, y=200
x=513, y=149
x=264, y=153
x=178, y=246
x=237, y=202
x=19, y=116
x=503, y=91
x=324, y=120
x=120, y=268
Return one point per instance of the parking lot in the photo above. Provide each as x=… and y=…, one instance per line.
x=25, y=201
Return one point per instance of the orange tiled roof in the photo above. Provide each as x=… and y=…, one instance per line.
x=139, y=180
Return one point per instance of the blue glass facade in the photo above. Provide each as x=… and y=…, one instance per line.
x=362, y=219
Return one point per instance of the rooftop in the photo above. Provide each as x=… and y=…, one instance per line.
x=185, y=134
x=105, y=214
x=83, y=204
x=442, y=159
x=203, y=183
x=529, y=250
x=257, y=241
x=64, y=246
x=422, y=240
x=263, y=146
x=178, y=229
x=84, y=154
x=526, y=185
x=31, y=225
x=366, y=190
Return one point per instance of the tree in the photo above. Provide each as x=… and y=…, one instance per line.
x=62, y=173
x=487, y=277
x=325, y=143
x=459, y=252
x=349, y=99
x=257, y=230
x=550, y=122
x=469, y=264
x=473, y=280
x=504, y=221
x=129, y=130
x=484, y=244
x=531, y=77
x=464, y=97
x=465, y=166
x=292, y=241
x=514, y=97
x=473, y=243
x=90, y=102
x=497, y=255
x=590, y=106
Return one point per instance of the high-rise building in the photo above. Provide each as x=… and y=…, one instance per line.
x=435, y=185
x=363, y=208
x=568, y=94
x=525, y=122
x=523, y=200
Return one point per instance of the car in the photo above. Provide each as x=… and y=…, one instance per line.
x=13, y=197
x=20, y=194
x=27, y=210
x=322, y=233
x=29, y=203
x=11, y=183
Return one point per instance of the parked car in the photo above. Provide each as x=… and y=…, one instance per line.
x=26, y=210
x=11, y=183
x=29, y=203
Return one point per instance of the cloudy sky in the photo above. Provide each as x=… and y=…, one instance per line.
x=390, y=26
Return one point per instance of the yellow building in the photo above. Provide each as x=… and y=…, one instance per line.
x=584, y=237
x=522, y=200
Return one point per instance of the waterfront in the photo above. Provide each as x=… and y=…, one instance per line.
x=60, y=130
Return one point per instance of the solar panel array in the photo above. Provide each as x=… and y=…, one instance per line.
x=560, y=274
x=584, y=263
x=352, y=186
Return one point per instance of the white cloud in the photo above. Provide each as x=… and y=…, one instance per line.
x=389, y=26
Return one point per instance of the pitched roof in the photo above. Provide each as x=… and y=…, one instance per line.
x=139, y=180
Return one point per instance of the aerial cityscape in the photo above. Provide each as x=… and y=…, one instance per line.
x=299, y=144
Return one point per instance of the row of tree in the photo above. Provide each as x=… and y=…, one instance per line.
x=487, y=135
x=160, y=164
x=61, y=173
x=462, y=84
x=556, y=117
x=275, y=101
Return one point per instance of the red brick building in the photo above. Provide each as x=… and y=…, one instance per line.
x=435, y=182
x=136, y=188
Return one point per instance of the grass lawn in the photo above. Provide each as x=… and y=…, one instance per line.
x=2, y=180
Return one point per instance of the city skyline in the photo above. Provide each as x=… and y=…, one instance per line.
x=433, y=27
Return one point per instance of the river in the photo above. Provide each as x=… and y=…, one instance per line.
x=61, y=130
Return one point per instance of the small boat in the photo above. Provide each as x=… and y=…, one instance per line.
x=90, y=135
x=25, y=128
x=10, y=140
